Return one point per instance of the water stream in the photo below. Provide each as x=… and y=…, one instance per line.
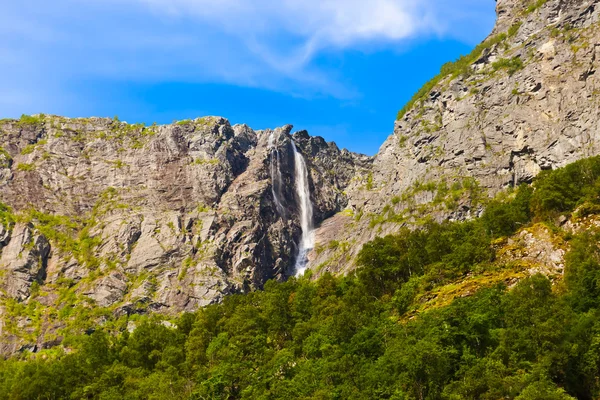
x=276, y=179
x=307, y=241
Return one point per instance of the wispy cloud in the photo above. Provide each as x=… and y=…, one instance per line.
x=288, y=34
x=257, y=43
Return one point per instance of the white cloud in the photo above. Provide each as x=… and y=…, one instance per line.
x=288, y=34
x=338, y=22
x=268, y=44
x=311, y=25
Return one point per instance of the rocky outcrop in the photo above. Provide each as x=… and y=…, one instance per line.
x=23, y=261
x=537, y=248
x=160, y=218
x=527, y=101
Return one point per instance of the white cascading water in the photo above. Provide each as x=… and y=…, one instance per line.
x=307, y=242
x=276, y=180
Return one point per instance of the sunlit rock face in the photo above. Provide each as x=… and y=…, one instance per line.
x=526, y=102
x=126, y=219
x=162, y=218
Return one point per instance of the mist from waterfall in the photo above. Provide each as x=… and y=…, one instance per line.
x=307, y=241
x=276, y=179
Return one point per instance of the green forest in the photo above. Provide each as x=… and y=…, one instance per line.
x=357, y=337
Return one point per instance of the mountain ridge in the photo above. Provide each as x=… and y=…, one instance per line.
x=100, y=219
x=523, y=101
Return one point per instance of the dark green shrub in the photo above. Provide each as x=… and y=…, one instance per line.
x=390, y=261
x=564, y=189
x=386, y=263
x=582, y=272
x=505, y=218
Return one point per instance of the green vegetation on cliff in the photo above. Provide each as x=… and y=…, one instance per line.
x=462, y=66
x=354, y=337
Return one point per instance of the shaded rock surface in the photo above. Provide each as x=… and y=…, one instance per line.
x=23, y=261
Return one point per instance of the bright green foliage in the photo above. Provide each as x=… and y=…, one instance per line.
x=32, y=121
x=536, y=4
x=511, y=65
x=25, y=167
x=514, y=29
x=543, y=390
x=6, y=216
x=30, y=148
x=69, y=235
x=134, y=136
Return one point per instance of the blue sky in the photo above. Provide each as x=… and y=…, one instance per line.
x=339, y=68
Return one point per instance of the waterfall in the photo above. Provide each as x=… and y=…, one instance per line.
x=307, y=242
x=276, y=180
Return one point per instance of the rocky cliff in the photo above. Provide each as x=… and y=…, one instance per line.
x=526, y=100
x=102, y=215
x=100, y=219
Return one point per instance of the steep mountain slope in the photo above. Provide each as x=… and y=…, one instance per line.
x=473, y=309
x=101, y=219
x=526, y=100
x=129, y=219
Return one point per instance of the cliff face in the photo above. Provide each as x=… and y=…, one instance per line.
x=525, y=100
x=132, y=219
x=101, y=219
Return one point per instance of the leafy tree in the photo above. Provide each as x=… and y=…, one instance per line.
x=505, y=218
x=543, y=390
x=564, y=189
x=582, y=274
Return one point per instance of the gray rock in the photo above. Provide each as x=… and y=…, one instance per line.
x=108, y=290
x=23, y=261
x=496, y=128
x=177, y=216
x=4, y=235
